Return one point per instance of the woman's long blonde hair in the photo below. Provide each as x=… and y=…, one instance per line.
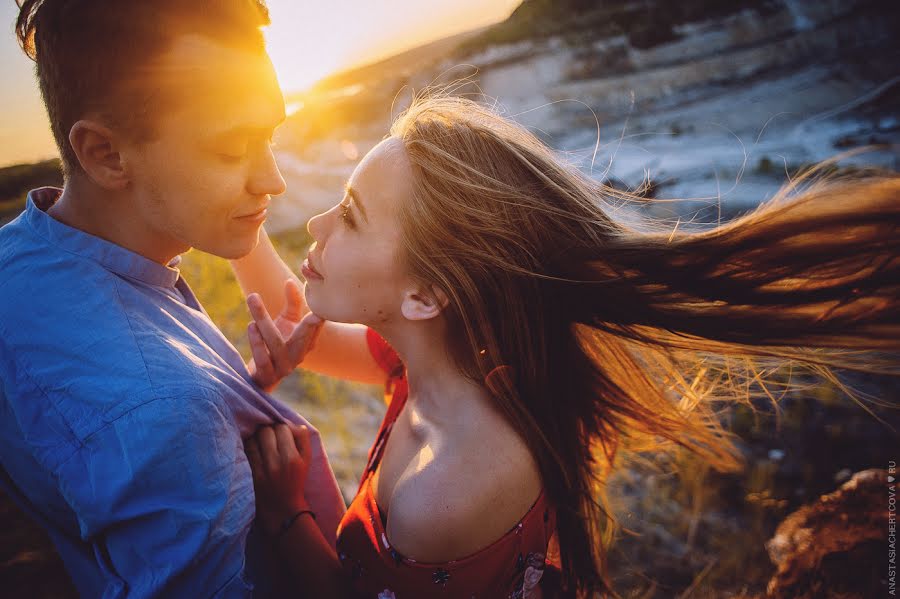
x=628, y=337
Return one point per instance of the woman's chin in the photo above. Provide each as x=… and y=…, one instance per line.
x=313, y=305
x=322, y=311
x=309, y=297
x=325, y=310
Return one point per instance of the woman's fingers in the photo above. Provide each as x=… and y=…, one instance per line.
x=293, y=300
x=315, y=334
x=287, y=450
x=279, y=346
x=268, y=447
x=256, y=306
x=264, y=370
x=251, y=448
x=304, y=337
x=270, y=334
x=301, y=440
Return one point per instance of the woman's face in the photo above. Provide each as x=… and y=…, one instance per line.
x=353, y=271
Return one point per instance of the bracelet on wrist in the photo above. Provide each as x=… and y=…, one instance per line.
x=289, y=521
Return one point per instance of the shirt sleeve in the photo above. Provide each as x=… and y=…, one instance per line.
x=165, y=496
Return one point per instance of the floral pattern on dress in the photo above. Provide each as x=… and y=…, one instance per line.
x=533, y=575
x=533, y=564
x=441, y=577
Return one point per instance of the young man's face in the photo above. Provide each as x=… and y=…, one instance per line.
x=205, y=179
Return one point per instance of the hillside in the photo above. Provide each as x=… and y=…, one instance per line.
x=646, y=24
x=16, y=181
x=405, y=62
x=721, y=112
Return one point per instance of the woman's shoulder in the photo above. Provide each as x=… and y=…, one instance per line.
x=457, y=502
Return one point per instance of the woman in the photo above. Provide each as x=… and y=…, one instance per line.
x=525, y=336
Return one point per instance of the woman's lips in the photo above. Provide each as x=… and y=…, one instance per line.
x=309, y=272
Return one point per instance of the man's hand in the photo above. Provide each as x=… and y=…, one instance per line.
x=279, y=459
x=279, y=346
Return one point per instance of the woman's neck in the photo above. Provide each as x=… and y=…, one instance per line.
x=436, y=386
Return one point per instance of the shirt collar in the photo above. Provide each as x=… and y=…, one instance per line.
x=113, y=257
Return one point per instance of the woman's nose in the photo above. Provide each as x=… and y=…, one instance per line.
x=320, y=226
x=314, y=227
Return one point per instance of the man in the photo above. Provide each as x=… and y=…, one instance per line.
x=122, y=406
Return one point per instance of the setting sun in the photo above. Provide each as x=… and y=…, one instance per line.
x=310, y=40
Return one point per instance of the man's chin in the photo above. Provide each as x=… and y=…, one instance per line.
x=232, y=250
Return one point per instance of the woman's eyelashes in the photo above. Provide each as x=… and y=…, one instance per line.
x=346, y=215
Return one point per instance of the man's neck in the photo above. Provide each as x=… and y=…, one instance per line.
x=109, y=217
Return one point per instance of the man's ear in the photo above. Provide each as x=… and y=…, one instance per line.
x=421, y=304
x=97, y=150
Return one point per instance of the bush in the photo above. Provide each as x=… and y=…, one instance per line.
x=16, y=181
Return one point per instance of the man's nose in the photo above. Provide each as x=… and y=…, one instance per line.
x=265, y=177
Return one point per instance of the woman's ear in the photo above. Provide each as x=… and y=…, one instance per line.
x=420, y=304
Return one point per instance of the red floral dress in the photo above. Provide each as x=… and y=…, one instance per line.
x=511, y=567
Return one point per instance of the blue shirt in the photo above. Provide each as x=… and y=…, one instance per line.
x=122, y=414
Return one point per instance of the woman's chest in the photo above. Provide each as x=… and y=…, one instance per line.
x=413, y=449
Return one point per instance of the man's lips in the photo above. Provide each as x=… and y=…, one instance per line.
x=257, y=215
x=309, y=270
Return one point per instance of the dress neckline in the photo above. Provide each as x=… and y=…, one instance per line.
x=378, y=521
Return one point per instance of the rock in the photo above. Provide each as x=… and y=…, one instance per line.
x=776, y=455
x=834, y=547
x=843, y=474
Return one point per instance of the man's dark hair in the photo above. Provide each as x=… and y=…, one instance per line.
x=88, y=53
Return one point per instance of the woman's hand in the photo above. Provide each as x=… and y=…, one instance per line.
x=279, y=345
x=279, y=457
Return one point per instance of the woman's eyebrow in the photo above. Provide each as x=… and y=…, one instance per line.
x=355, y=197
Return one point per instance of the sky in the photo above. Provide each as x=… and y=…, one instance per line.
x=307, y=40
